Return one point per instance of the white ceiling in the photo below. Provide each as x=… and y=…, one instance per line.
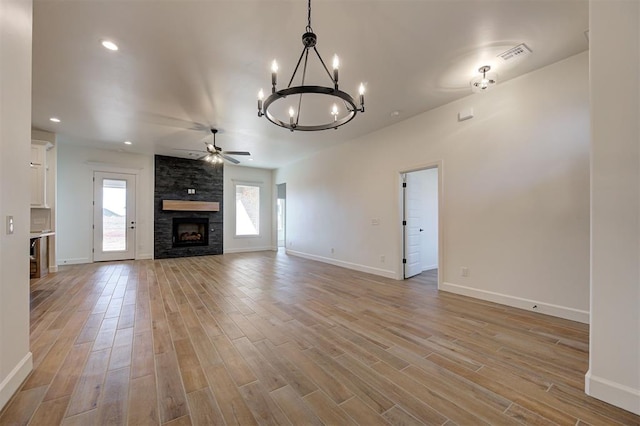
x=185, y=66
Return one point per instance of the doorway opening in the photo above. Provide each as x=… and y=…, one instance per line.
x=114, y=216
x=421, y=222
x=281, y=214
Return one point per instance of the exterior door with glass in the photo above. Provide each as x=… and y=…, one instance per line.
x=114, y=224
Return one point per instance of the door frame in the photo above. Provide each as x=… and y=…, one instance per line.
x=284, y=214
x=114, y=169
x=439, y=165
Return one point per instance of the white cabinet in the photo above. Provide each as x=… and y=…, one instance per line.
x=38, y=154
x=39, y=173
x=38, y=186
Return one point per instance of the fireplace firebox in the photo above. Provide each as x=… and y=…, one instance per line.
x=190, y=231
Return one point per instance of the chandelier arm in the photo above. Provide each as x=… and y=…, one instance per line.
x=304, y=68
x=346, y=105
x=304, y=49
x=324, y=66
x=304, y=76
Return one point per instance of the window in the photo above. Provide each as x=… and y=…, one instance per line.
x=247, y=210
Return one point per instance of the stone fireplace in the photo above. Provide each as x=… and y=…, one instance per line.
x=187, y=208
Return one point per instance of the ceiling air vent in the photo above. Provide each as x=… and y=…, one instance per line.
x=519, y=51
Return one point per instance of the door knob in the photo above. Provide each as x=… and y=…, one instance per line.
x=421, y=229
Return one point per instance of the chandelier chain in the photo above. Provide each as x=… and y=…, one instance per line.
x=309, y=17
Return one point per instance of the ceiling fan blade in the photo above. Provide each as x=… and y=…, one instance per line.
x=190, y=150
x=230, y=159
x=236, y=152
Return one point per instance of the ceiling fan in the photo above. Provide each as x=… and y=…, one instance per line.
x=214, y=154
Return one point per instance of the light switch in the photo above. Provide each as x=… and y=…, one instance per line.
x=9, y=225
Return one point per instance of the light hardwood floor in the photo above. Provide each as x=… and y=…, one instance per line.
x=264, y=338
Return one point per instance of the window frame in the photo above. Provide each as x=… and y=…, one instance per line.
x=258, y=185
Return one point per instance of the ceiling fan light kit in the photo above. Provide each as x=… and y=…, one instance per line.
x=484, y=82
x=216, y=155
x=309, y=40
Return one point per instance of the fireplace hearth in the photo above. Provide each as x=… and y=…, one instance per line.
x=190, y=231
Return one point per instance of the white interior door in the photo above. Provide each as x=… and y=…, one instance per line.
x=114, y=224
x=412, y=219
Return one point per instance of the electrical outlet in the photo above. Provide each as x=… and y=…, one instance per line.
x=382, y=258
x=332, y=250
x=464, y=271
x=375, y=222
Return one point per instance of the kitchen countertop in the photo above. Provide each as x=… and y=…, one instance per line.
x=45, y=233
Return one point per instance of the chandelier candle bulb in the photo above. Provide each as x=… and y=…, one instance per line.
x=274, y=74
x=334, y=112
x=336, y=65
x=291, y=114
x=361, y=91
x=260, y=98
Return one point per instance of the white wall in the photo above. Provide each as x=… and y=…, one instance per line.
x=515, y=191
x=264, y=179
x=428, y=181
x=74, y=232
x=614, y=343
x=15, y=142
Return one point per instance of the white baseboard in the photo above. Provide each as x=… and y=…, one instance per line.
x=343, y=264
x=144, y=256
x=519, y=302
x=248, y=249
x=613, y=393
x=15, y=378
x=53, y=268
x=76, y=261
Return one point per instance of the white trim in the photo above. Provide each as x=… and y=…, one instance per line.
x=429, y=267
x=74, y=261
x=248, y=249
x=613, y=393
x=355, y=266
x=14, y=379
x=439, y=165
x=247, y=182
x=519, y=302
x=53, y=268
x=144, y=256
x=99, y=166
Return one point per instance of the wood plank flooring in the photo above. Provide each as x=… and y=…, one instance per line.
x=264, y=338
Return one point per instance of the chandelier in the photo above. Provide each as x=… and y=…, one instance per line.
x=335, y=117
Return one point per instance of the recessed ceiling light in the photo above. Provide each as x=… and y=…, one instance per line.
x=128, y=143
x=54, y=119
x=395, y=113
x=250, y=159
x=108, y=44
